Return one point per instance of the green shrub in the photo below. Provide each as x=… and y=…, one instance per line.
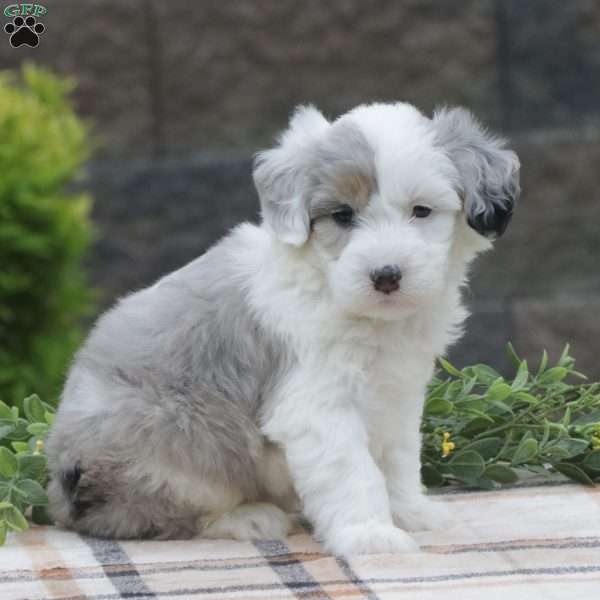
x=44, y=233
x=23, y=464
x=481, y=430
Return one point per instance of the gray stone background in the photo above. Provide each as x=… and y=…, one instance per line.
x=182, y=93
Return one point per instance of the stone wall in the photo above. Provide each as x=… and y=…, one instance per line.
x=182, y=93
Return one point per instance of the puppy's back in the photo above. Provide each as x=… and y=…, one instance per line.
x=160, y=407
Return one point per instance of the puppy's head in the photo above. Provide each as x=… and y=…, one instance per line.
x=391, y=203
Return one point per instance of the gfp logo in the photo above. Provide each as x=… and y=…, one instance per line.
x=25, y=28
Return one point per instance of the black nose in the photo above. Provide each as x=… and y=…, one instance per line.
x=386, y=279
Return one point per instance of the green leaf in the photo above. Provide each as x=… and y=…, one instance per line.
x=467, y=465
x=573, y=472
x=471, y=402
x=483, y=483
x=453, y=390
x=20, y=432
x=2, y=532
x=577, y=374
x=555, y=452
x=16, y=493
x=6, y=430
x=38, y=429
x=468, y=386
x=565, y=359
x=437, y=390
x=498, y=392
x=478, y=413
x=8, y=463
x=521, y=377
x=32, y=466
x=526, y=450
x=577, y=446
x=528, y=398
x=17, y=499
x=449, y=368
x=553, y=375
x=484, y=374
x=49, y=417
x=431, y=477
x=34, y=409
x=14, y=518
x=569, y=446
x=5, y=412
x=20, y=446
x=501, y=406
x=500, y=473
x=34, y=492
x=543, y=363
x=510, y=351
x=591, y=417
x=475, y=426
x=438, y=407
x=505, y=451
x=592, y=461
x=487, y=447
x=546, y=434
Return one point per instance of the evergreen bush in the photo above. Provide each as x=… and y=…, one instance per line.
x=44, y=232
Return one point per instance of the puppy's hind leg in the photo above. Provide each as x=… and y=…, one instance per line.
x=259, y=520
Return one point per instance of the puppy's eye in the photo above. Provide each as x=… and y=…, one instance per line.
x=421, y=212
x=344, y=215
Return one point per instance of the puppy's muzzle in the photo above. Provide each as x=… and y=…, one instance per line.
x=386, y=279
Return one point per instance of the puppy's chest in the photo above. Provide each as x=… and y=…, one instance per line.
x=383, y=377
x=393, y=392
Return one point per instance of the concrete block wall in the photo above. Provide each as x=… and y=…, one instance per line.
x=183, y=93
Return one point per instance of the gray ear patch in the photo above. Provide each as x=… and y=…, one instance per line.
x=488, y=171
x=281, y=177
x=343, y=170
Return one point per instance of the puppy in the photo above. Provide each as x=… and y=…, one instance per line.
x=286, y=368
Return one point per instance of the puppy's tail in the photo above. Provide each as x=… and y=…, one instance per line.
x=96, y=500
x=73, y=495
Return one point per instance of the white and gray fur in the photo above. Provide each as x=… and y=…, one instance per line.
x=161, y=431
x=179, y=370
x=489, y=173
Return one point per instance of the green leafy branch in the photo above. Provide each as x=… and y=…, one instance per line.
x=23, y=464
x=481, y=430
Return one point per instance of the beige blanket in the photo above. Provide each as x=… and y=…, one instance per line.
x=522, y=543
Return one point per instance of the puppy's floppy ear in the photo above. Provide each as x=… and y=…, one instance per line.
x=488, y=172
x=281, y=176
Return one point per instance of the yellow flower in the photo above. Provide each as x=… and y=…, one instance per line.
x=596, y=437
x=39, y=446
x=447, y=445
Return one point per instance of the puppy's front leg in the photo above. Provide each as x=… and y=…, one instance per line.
x=410, y=507
x=343, y=491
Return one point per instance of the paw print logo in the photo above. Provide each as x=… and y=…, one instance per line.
x=24, y=31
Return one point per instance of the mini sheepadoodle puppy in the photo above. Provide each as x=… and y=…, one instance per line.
x=285, y=369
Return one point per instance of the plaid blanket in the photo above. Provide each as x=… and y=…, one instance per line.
x=524, y=542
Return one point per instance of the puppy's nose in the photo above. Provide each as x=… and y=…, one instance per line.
x=386, y=279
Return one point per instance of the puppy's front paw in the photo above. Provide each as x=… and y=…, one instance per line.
x=370, y=538
x=422, y=514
